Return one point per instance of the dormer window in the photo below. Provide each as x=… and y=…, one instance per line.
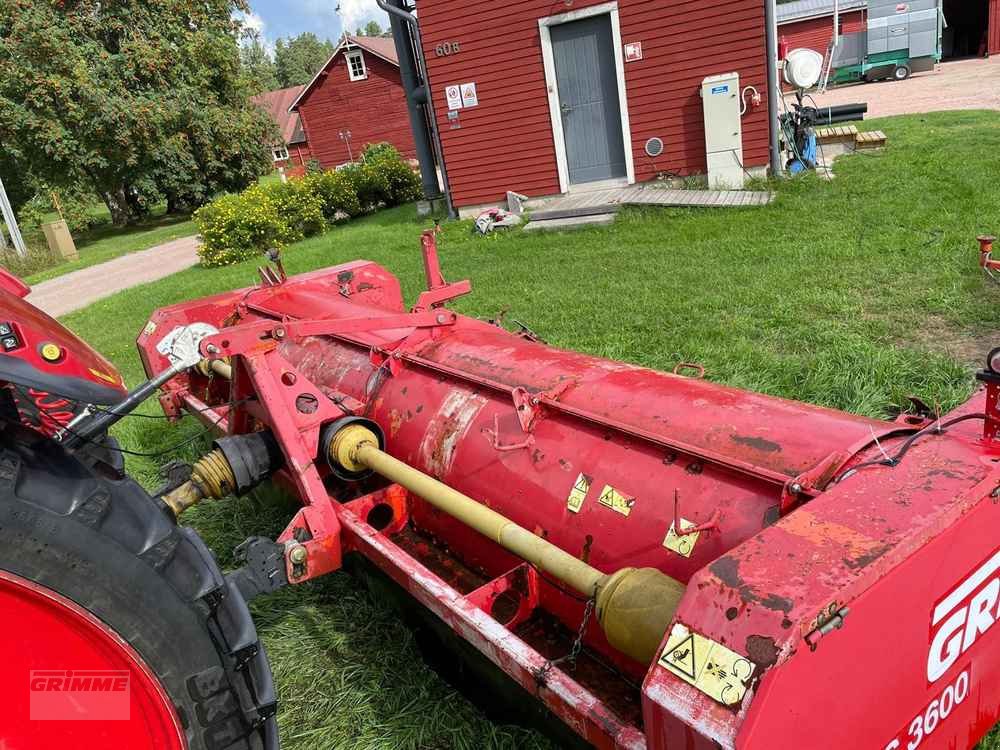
x=356, y=65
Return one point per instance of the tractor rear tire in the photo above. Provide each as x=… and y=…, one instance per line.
x=109, y=547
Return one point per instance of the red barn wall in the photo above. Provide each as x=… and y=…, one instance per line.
x=994, y=28
x=298, y=156
x=374, y=110
x=506, y=143
x=817, y=33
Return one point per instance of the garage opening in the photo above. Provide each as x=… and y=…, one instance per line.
x=967, y=34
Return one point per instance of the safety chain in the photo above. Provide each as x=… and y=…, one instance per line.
x=541, y=676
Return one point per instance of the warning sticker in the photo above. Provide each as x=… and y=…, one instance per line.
x=711, y=667
x=579, y=493
x=682, y=544
x=615, y=500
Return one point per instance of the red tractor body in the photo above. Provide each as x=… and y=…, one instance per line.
x=842, y=572
x=50, y=368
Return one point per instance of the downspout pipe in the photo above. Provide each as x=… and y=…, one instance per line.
x=423, y=121
x=773, y=86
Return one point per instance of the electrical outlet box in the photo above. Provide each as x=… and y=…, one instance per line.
x=720, y=96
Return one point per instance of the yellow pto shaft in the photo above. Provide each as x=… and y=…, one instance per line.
x=634, y=605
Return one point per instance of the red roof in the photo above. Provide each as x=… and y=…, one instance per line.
x=380, y=46
x=276, y=103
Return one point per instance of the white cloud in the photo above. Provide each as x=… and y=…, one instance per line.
x=253, y=23
x=358, y=12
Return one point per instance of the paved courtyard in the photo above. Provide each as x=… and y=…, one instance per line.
x=964, y=84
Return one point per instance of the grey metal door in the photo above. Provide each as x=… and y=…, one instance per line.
x=584, y=54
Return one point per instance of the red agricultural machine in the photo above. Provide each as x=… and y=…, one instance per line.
x=632, y=559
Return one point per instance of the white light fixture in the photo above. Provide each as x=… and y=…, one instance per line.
x=803, y=68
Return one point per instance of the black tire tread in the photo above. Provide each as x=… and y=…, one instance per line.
x=110, y=547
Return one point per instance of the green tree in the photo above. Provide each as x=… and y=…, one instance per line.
x=372, y=28
x=139, y=102
x=298, y=59
x=259, y=69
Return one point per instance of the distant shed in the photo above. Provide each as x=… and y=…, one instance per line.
x=356, y=98
x=809, y=23
x=970, y=28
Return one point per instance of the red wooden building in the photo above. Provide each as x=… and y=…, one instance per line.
x=355, y=99
x=973, y=26
x=292, y=151
x=517, y=91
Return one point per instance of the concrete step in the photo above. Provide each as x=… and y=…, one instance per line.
x=570, y=222
x=574, y=213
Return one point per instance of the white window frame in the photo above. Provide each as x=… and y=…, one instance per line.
x=351, y=57
x=276, y=150
x=548, y=59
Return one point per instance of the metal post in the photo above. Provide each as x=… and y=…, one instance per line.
x=423, y=121
x=11, y=220
x=773, y=87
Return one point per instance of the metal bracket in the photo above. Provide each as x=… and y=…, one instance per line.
x=712, y=524
x=494, y=437
x=254, y=338
x=812, y=482
x=835, y=622
x=438, y=291
x=262, y=568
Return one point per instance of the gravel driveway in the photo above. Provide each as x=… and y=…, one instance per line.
x=964, y=84
x=76, y=290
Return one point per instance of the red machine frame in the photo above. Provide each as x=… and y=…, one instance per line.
x=780, y=595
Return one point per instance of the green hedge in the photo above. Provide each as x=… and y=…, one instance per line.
x=237, y=227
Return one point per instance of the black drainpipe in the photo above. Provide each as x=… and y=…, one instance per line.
x=413, y=72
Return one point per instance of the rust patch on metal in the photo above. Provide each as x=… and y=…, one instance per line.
x=395, y=422
x=757, y=443
x=856, y=545
x=863, y=561
x=726, y=569
x=763, y=651
x=588, y=542
x=445, y=431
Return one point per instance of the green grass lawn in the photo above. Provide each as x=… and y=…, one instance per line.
x=106, y=241
x=852, y=294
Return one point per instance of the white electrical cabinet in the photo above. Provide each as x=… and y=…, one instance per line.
x=720, y=96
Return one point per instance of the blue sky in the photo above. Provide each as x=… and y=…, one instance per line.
x=282, y=18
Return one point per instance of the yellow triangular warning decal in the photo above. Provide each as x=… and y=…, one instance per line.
x=681, y=657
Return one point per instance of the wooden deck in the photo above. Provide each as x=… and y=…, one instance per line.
x=612, y=200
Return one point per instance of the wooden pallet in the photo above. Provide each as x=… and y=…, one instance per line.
x=871, y=139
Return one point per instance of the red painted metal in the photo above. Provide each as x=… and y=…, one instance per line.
x=822, y=568
x=48, y=640
x=682, y=43
x=78, y=369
